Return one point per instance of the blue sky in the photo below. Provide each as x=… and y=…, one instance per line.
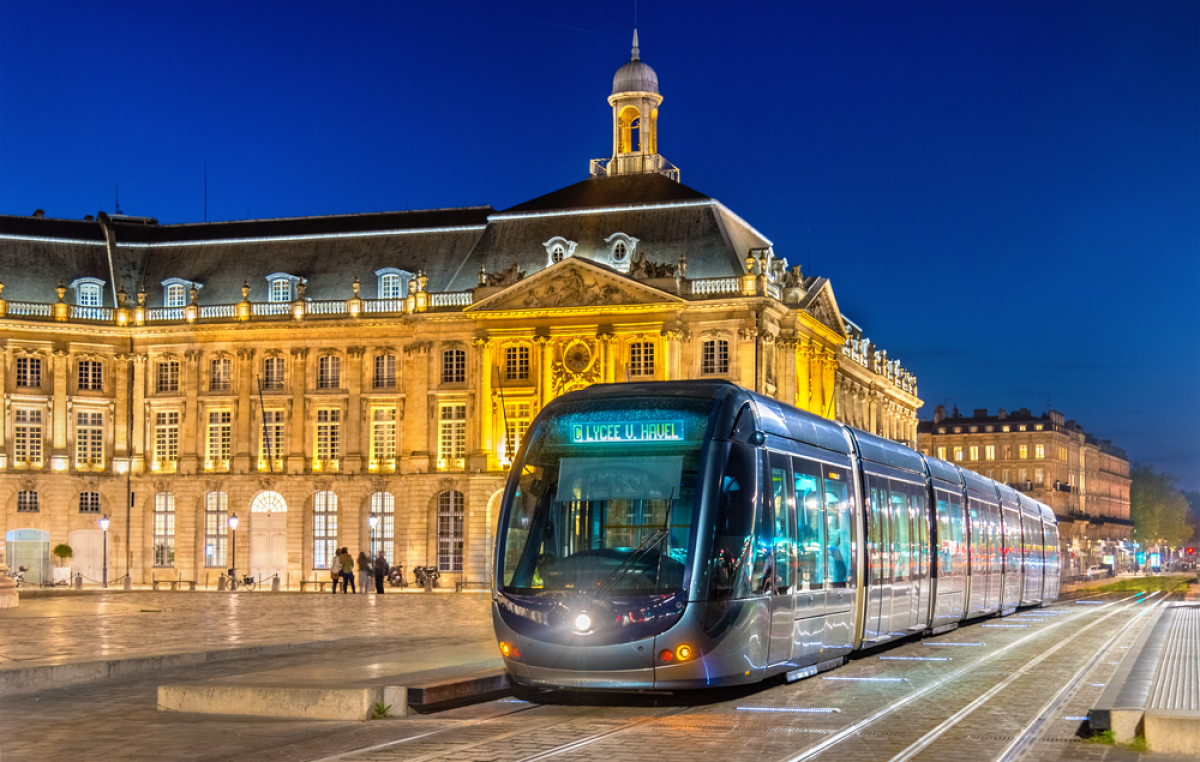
x=1005, y=195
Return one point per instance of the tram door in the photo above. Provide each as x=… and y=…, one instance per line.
x=879, y=550
x=811, y=547
x=839, y=562
x=777, y=534
x=1011, y=532
x=951, y=558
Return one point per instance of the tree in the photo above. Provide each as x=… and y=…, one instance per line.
x=1159, y=510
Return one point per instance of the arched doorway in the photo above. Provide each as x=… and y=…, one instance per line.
x=87, y=546
x=268, y=536
x=29, y=547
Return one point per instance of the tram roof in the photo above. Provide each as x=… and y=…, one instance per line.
x=885, y=451
x=941, y=470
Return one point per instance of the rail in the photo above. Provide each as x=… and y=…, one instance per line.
x=270, y=308
x=218, y=311
x=453, y=299
x=383, y=305
x=29, y=309
x=91, y=313
x=715, y=286
x=164, y=313
x=326, y=308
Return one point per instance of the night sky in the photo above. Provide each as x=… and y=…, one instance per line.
x=1006, y=196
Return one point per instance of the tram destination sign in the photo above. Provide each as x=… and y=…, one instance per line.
x=618, y=432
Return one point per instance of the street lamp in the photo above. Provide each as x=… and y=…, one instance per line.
x=104, y=526
x=233, y=522
x=373, y=522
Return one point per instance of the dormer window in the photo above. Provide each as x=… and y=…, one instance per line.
x=175, y=291
x=558, y=249
x=89, y=292
x=393, y=283
x=281, y=287
x=621, y=248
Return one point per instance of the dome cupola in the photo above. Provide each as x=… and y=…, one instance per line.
x=635, y=76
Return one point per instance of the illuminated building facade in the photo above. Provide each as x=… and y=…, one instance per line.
x=1053, y=460
x=308, y=374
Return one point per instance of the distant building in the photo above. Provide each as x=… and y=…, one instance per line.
x=310, y=374
x=1083, y=479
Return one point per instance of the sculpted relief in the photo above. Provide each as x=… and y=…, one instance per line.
x=576, y=289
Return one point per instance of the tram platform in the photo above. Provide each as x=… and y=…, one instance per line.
x=1155, y=692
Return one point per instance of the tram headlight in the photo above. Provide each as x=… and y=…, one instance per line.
x=683, y=653
x=583, y=623
x=509, y=651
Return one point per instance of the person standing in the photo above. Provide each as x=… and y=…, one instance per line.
x=347, y=571
x=381, y=570
x=364, y=571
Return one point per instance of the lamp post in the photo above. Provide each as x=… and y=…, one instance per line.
x=372, y=522
x=104, y=526
x=233, y=522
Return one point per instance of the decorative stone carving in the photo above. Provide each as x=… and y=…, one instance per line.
x=577, y=289
x=502, y=278
x=579, y=367
x=418, y=348
x=643, y=269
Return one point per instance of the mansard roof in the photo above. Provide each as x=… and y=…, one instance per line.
x=621, y=190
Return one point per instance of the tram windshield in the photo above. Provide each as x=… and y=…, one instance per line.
x=605, y=498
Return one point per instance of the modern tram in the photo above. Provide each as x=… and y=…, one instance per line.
x=675, y=535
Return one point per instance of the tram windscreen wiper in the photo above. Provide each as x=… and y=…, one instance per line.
x=641, y=550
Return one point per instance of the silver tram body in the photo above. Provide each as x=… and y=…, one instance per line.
x=677, y=535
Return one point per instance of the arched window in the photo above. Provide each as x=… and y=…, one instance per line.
x=383, y=538
x=619, y=251
x=176, y=295
x=88, y=292
x=628, y=127
x=450, y=531
x=324, y=529
x=216, y=529
x=329, y=372
x=268, y=502
x=164, y=529
x=557, y=253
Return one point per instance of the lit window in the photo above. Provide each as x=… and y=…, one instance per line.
x=958, y=429
x=220, y=375
x=941, y=453
x=329, y=435
x=167, y=378
x=958, y=454
x=89, y=439
x=216, y=530
x=1006, y=428
x=516, y=363
x=29, y=372
x=989, y=452
x=450, y=531
x=974, y=429
x=452, y=436
x=1023, y=452
x=27, y=502
x=385, y=372
x=454, y=366
x=27, y=437
x=383, y=435
x=329, y=372
x=88, y=295
x=164, y=529
x=714, y=357
x=641, y=358
x=516, y=423
x=383, y=539
x=942, y=430
x=89, y=502
x=166, y=439
x=325, y=525
x=90, y=375
x=1039, y=476
x=1020, y=428
x=393, y=283
x=280, y=290
x=270, y=445
x=1039, y=451
x=273, y=373
x=220, y=434
x=974, y=452
x=989, y=429
x=176, y=295
x=1037, y=427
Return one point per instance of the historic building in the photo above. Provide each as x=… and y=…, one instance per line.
x=312, y=374
x=1083, y=479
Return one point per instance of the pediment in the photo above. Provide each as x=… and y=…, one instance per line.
x=821, y=304
x=574, y=283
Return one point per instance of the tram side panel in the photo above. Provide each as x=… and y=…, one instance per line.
x=1031, y=542
x=951, y=555
x=1013, y=561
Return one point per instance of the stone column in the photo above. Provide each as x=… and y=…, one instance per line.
x=119, y=418
x=673, y=343
x=137, y=447
x=62, y=361
x=297, y=421
x=244, y=460
x=548, y=352
x=803, y=378
x=606, y=341
x=356, y=412
x=418, y=458
x=485, y=408
x=191, y=426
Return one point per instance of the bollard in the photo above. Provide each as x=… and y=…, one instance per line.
x=275, y=584
x=222, y=583
x=429, y=584
x=128, y=582
x=78, y=581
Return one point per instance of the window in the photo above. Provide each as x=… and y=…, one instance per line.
x=216, y=530
x=324, y=529
x=557, y=252
x=942, y=430
x=517, y=416
x=1039, y=476
x=166, y=439
x=974, y=429
x=383, y=436
x=220, y=376
x=450, y=531
x=393, y=283
x=958, y=429
x=1006, y=428
x=1022, y=475
x=329, y=435
x=280, y=290
x=1007, y=452
x=89, y=292
x=1004, y=476
x=329, y=372
x=90, y=375
x=641, y=359
x=89, y=502
x=89, y=438
x=385, y=372
x=516, y=363
x=167, y=377
x=220, y=434
x=974, y=452
x=452, y=436
x=270, y=444
x=454, y=366
x=164, y=529
x=273, y=373
x=27, y=502
x=989, y=452
x=989, y=428
x=1023, y=452
x=958, y=454
x=1037, y=427
x=176, y=295
x=383, y=539
x=619, y=251
x=1020, y=428
x=1039, y=451
x=941, y=453
x=27, y=436
x=715, y=356
x=29, y=372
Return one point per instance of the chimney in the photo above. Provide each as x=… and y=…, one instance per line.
x=39, y=213
x=939, y=413
x=1002, y=415
x=981, y=412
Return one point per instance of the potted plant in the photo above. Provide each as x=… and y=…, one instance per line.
x=62, y=571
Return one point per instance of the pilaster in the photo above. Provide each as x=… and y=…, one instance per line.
x=803, y=377
x=138, y=445
x=352, y=459
x=417, y=359
x=486, y=407
x=298, y=420
x=191, y=425
x=243, y=440
x=62, y=361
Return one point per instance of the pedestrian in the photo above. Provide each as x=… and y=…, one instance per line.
x=335, y=570
x=364, y=571
x=381, y=570
x=347, y=571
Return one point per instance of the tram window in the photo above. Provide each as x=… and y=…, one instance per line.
x=902, y=553
x=732, y=544
x=920, y=535
x=878, y=534
x=810, y=525
x=977, y=532
x=837, y=526
x=957, y=548
x=764, y=523
x=1012, y=542
x=784, y=510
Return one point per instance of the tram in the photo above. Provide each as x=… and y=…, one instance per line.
x=675, y=535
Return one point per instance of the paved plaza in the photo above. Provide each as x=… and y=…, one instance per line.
x=880, y=706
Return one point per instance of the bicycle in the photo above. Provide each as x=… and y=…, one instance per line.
x=247, y=581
